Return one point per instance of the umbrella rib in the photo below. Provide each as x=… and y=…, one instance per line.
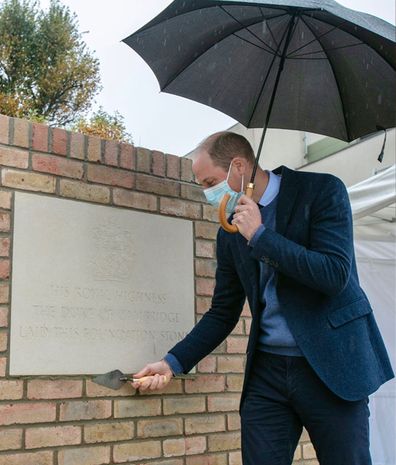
x=272, y=34
x=199, y=55
x=267, y=76
x=247, y=27
x=316, y=37
x=336, y=81
x=255, y=45
x=326, y=50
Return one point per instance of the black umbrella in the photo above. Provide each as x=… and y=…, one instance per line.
x=311, y=65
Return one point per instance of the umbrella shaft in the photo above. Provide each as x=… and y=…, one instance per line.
x=271, y=104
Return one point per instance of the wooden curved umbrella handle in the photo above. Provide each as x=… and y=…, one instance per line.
x=231, y=228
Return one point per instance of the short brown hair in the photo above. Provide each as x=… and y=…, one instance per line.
x=223, y=146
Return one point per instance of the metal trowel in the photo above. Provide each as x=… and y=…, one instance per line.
x=116, y=379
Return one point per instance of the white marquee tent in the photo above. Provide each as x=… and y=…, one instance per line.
x=373, y=204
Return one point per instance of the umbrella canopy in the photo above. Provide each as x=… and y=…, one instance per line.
x=311, y=65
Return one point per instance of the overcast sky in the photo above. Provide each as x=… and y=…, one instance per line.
x=158, y=121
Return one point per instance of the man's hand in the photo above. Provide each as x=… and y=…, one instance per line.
x=160, y=374
x=247, y=217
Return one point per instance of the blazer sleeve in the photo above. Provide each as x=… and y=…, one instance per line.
x=217, y=323
x=325, y=263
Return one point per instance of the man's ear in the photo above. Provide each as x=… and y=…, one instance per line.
x=240, y=164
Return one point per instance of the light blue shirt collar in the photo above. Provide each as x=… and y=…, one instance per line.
x=271, y=190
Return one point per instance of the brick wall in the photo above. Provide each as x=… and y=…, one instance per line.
x=68, y=420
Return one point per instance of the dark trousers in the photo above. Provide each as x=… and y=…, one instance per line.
x=284, y=394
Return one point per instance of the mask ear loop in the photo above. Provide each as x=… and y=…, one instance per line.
x=242, y=182
x=229, y=171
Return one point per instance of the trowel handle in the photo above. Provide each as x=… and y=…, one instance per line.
x=137, y=380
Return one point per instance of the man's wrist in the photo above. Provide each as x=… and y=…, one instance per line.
x=173, y=364
x=252, y=241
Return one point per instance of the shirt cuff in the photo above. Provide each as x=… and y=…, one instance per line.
x=256, y=236
x=173, y=363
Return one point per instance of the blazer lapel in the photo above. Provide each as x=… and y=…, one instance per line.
x=287, y=198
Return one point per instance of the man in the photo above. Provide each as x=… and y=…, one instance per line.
x=314, y=352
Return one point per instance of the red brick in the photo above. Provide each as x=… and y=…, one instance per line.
x=110, y=176
x=3, y=317
x=158, y=186
x=10, y=156
x=205, y=383
x=83, y=191
x=3, y=364
x=95, y=390
x=3, y=341
x=77, y=145
x=232, y=364
x=186, y=173
x=85, y=410
x=98, y=455
x=11, y=389
x=30, y=458
x=94, y=148
x=111, y=152
x=158, y=163
x=210, y=213
x=5, y=199
x=21, y=132
x=54, y=389
x=184, y=446
x=59, y=166
x=233, y=422
x=127, y=156
x=136, y=450
x=140, y=407
x=203, y=304
x=180, y=208
x=4, y=222
x=59, y=141
x=4, y=129
x=172, y=166
x=224, y=441
x=308, y=451
x=246, y=310
x=52, y=436
x=205, y=249
x=205, y=230
x=202, y=424
x=133, y=199
x=159, y=427
x=217, y=459
x=185, y=404
x=4, y=246
x=143, y=160
x=109, y=432
x=40, y=137
x=192, y=193
x=239, y=329
x=248, y=324
x=4, y=269
x=205, y=286
x=10, y=439
x=207, y=365
x=236, y=345
x=28, y=181
x=223, y=402
x=235, y=458
x=27, y=412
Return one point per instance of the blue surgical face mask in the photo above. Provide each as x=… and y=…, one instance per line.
x=214, y=195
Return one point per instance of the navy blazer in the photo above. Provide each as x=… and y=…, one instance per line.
x=318, y=288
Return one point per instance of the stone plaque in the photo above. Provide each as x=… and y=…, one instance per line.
x=96, y=288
